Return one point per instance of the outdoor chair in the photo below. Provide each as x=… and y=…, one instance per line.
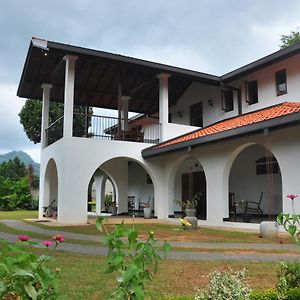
x=254, y=207
x=49, y=210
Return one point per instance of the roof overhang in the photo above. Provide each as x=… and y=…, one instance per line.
x=261, y=63
x=97, y=73
x=271, y=125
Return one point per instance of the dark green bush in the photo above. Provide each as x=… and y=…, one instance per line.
x=288, y=276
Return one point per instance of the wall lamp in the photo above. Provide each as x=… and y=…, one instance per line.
x=210, y=102
x=179, y=113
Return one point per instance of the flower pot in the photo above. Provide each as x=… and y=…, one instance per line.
x=190, y=212
x=269, y=229
x=147, y=212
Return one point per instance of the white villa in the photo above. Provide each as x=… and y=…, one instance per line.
x=233, y=138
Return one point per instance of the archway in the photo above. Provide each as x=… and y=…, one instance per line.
x=133, y=187
x=190, y=183
x=255, y=185
x=50, y=199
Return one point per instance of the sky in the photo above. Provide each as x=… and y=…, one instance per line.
x=212, y=36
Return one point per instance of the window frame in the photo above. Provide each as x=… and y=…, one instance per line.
x=225, y=106
x=277, y=82
x=248, y=100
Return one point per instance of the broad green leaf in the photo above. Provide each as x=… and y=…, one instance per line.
x=23, y=273
x=2, y=287
x=30, y=290
x=132, y=236
x=292, y=230
x=279, y=219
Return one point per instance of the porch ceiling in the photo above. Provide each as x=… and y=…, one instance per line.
x=97, y=73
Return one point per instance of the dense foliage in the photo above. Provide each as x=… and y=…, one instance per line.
x=290, y=39
x=134, y=261
x=23, y=274
x=31, y=116
x=15, y=186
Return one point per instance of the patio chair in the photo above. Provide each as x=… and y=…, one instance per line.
x=254, y=207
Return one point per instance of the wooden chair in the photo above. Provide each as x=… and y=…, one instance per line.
x=254, y=207
x=232, y=206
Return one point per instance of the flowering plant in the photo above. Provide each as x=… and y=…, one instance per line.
x=291, y=222
x=24, y=274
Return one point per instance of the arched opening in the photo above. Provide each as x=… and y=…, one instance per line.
x=124, y=182
x=50, y=199
x=190, y=184
x=255, y=186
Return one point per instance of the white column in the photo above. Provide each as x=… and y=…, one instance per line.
x=45, y=113
x=69, y=95
x=99, y=180
x=163, y=104
x=124, y=112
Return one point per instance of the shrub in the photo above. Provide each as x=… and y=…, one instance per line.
x=264, y=295
x=226, y=285
x=288, y=278
x=23, y=274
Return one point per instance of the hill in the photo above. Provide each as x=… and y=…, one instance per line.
x=24, y=157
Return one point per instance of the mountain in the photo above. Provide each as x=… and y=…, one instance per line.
x=24, y=157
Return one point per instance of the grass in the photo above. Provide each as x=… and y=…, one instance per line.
x=174, y=278
x=18, y=215
x=83, y=276
x=171, y=232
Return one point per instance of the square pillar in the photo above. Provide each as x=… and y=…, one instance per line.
x=45, y=113
x=124, y=113
x=69, y=95
x=163, y=104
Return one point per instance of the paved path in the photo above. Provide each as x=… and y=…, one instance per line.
x=185, y=255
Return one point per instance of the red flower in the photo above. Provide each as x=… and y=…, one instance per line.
x=23, y=238
x=47, y=243
x=58, y=238
x=292, y=196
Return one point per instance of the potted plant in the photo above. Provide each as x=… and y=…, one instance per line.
x=147, y=210
x=189, y=206
x=246, y=215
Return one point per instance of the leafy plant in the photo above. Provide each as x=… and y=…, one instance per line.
x=23, y=274
x=134, y=261
x=225, y=285
x=290, y=222
x=190, y=204
x=288, y=278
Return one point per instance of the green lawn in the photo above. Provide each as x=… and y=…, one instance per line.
x=83, y=276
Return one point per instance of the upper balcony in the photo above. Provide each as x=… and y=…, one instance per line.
x=89, y=78
x=140, y=128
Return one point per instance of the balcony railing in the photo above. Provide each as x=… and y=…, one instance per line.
x=55, y=131
x=138, y=129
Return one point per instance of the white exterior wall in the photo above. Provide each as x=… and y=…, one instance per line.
x=200, y=92
x=267, y=95
x=78, y=158
x=217, y=159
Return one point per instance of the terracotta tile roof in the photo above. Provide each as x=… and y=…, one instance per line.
x=273, y=112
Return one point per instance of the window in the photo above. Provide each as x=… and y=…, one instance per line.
x=227, y=100
x=267, y=165
x=281, y=86
x=196, y=113
x=251, y=92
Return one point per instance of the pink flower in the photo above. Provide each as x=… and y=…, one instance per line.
x=59, y=238
x=47, y=243
x=292, y=196
x=23, y=238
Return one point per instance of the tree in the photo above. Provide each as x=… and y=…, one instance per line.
x=13, y=169
x=290, y=39
x=31, y=117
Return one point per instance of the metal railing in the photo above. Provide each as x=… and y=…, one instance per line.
x=143, y=129
x=139, y=129
x=54, y=132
